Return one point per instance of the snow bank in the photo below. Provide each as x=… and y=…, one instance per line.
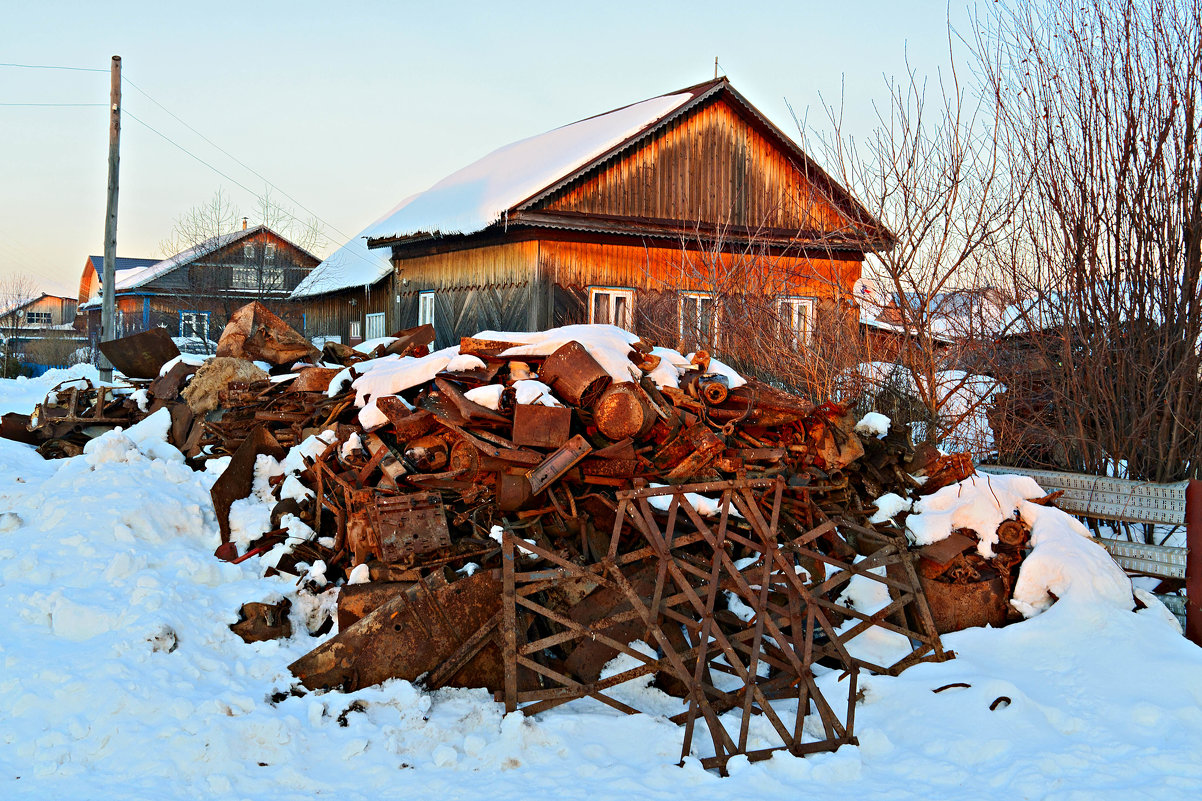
x=1064, y=563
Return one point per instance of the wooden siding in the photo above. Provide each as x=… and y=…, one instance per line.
x=331, y=315
x=712, y=166
x=465, y=311
x=583, y=264
x=504, y=263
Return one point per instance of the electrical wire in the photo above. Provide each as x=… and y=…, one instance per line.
x=51, y=67
x=233, y=157
x=229, y=178
x=47, y=105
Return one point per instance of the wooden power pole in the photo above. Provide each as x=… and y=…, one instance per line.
x=108, y=300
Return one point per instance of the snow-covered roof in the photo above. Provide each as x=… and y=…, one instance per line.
x=134, y=279
x=478, y=195
x=352, y=265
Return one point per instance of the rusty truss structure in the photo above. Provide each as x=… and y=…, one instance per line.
x=669, y=585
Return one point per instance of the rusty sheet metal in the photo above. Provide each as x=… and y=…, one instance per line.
x=947, y=549
x=141, y=355
x=15, y=426
x=558, y=463
x=357, y=601
x=411, y=635
x=236, y=481
x=574, y=375
x=259, y=621
x=410, y=339
x=314, y=379
x=409, y=524
x=255, y=333
x=539, y=426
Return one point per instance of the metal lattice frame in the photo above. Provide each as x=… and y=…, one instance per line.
x=791, y=625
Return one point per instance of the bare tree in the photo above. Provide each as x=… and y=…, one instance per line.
x=17, y=290
x=1102, y=105
x=936, y=172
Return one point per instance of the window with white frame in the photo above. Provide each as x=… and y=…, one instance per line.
x=248, y=252
x=194, y=325
x=611, y=306
x=797, y=319
x=250, y=277
x=425, y=308
x=698, y=318
x=269, y=251
x=356, y=331
x=375, y=325
x=244, y=277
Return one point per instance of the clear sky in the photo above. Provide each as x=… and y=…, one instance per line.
x=349, y=107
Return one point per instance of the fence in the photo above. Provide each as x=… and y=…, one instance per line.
x=1123, y=500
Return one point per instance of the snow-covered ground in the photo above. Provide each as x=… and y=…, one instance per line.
x=120, y=679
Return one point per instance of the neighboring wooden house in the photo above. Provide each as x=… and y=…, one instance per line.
x=40, y=331
x=193, y=293
x=650, y=217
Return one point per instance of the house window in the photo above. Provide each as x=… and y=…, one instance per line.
x=375, y=325
x=611, y=306
x=797, y=319
x=425, y=308
x=698, y=318
x=269, y=279
x=194, y=325
x=356, y=330
x=248, y=252
x=38, y=318
x=269, y=251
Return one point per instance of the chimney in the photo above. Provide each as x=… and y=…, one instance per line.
x=243, y=223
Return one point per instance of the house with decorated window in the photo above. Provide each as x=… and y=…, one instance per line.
x=193, y=293
x=665, y=217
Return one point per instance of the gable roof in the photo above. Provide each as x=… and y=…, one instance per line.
x=517, y=176
x=123, y=264
x=158, y=269
x=352, y=265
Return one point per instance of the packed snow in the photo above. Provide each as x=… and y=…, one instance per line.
x=122, y=680
x=477, y=196
x=873, y=424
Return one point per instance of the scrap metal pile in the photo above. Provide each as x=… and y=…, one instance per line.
x=534, y=525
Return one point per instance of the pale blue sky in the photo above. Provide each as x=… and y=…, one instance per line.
x=351, y=109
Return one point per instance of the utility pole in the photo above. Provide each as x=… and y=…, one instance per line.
x=108, y=301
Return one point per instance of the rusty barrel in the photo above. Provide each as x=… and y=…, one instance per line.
x=574, y=375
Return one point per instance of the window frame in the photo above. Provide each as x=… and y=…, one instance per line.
x=695, y=335
x=796, y=303
x=424, y=300
x=248, y=251
x=368, y=324
x=269, y=252
x=194, y=314
x=614, y=292
x=39, y=317
x=355, y=330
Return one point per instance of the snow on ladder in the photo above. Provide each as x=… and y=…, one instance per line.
x=1106, y=498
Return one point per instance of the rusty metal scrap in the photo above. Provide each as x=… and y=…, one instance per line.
x=521, y=548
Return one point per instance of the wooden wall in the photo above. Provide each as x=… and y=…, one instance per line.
x=674, y=268
x=711, y=166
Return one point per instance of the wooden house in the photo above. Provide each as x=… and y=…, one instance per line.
x=39, y=331
x=662, y=217
x=193, y=293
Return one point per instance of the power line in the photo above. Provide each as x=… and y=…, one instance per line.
x=236, y=182
x=54, y=105
x=51, y=67
x=232, y=156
